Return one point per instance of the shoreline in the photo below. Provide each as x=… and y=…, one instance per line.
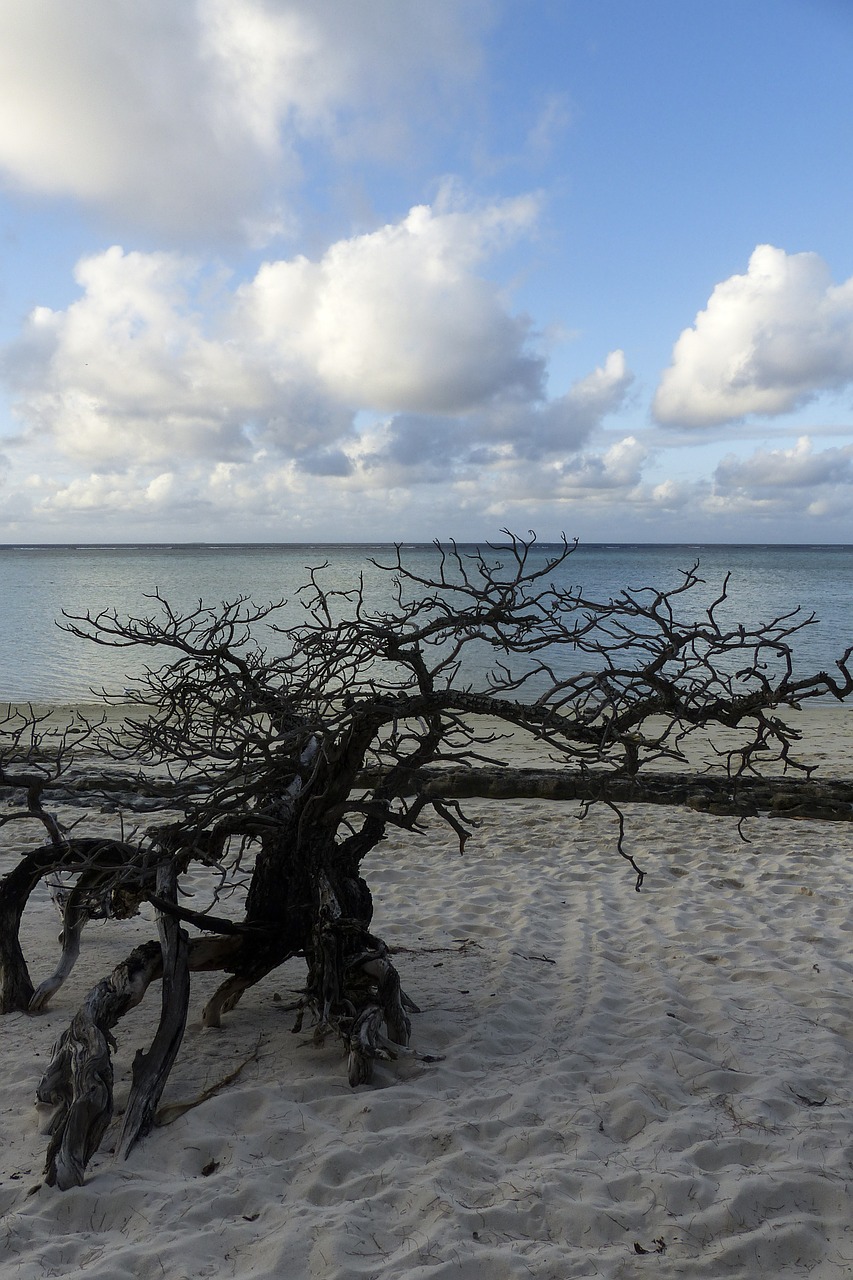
x=826, y=728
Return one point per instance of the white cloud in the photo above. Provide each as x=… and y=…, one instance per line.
x=98, y=492
x=510, y=425
x=398, y=319
x=183, y=115
x=127, y=372
x=767, y=342
x=159, y=360
x=385, y=381
x=799, y=467
x=602, y=495
x=619, y=467
x=592, y=398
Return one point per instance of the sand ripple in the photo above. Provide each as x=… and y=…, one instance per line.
x=667, y=1071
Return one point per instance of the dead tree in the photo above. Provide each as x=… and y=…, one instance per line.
x=287, y=763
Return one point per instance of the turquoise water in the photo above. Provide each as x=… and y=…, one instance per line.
x=41, y=663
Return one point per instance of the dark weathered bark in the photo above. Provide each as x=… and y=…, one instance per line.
x=830, y=799
x=151, y=1070
x=16, y=988
x=79, y=1080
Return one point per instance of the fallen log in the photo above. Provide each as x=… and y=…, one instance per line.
x=830, y=800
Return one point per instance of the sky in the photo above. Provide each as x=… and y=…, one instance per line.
x=378, y=270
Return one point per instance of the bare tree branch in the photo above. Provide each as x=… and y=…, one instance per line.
x=280, y=765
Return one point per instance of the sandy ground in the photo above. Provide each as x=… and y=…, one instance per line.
x=631, y=1084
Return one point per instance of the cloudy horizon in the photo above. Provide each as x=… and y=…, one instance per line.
x=396, y=272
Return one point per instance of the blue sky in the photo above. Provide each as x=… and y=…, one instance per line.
x=378, y=270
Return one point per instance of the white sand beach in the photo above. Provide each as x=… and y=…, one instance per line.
x=630, y=1085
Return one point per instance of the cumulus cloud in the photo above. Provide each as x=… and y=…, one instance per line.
x=184, y=115
x=326, y=462
x=386, y=363
x=574, y=416
x=508, y=426
x=800, y=467
x=619, y=467
x=159, y=359
x=127, y=372
x=103, y=491
x=767, y=341
x=398, y=319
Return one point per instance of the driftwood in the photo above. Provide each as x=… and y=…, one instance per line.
x=79, y=1079
x=78, y=1083
x=151, y=1070
x=783, y=797
x=280, y=773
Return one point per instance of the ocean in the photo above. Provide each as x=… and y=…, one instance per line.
x=41, y=663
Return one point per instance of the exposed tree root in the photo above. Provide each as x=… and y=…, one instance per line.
x=79, y=1080
x=173, y=1111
